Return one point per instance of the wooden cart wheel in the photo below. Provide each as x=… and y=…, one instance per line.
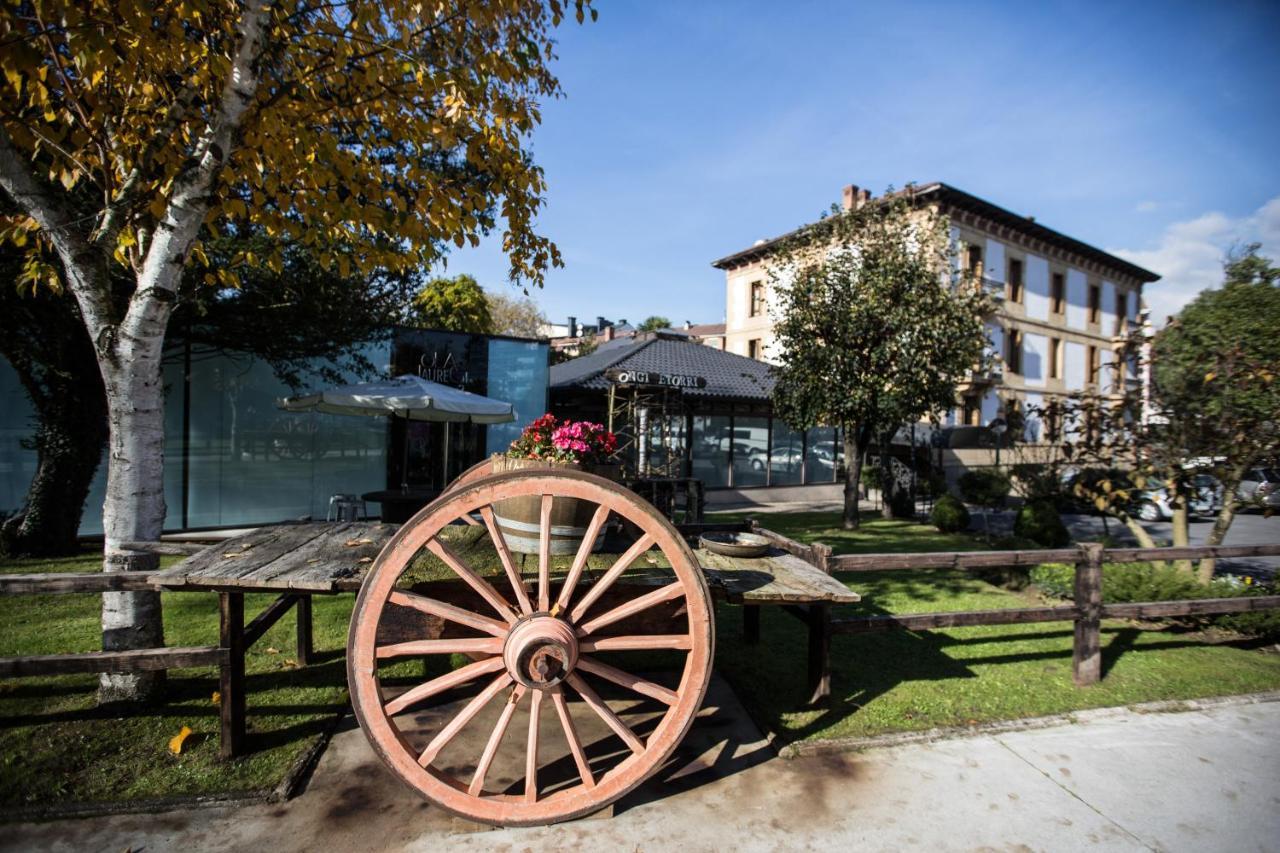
x=529, y=648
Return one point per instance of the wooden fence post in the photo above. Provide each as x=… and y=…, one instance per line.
x=304, y=630
x=1086, y=659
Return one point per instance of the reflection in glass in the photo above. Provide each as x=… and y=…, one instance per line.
x=710, y=450
x=750, y=451
x=786, y=455
x=823, y=455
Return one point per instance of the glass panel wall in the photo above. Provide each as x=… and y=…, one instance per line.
x=517, y=374
x=786, y=455
x=750, y=451
x=710, y=449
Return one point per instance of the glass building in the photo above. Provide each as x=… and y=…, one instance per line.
x=232, y=458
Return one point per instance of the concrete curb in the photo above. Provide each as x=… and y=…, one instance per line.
x=858, y=744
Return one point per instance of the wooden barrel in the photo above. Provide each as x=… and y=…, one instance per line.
x=520, y=519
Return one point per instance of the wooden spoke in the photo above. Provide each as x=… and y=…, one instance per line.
x=638, y=641
x=531, y=754
x=605, y=713
x=495, y=739
x=571, y=735
x=598, y=588
x=626, y=679
x=544, y=555
x=479, y=584
x=475, y=706
x=584, y=553
x=508, y=565
x=631, y=608
x=448, y=611
x=445, y=682
x=461, y=646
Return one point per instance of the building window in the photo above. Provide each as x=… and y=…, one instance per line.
x=753, y=348
x=1013, y=351
x=1059, y=293
x=972, y=411
x=1095, y=302
x=1092, y=376
x=1055, y=352
x=1122, y=311
x=757, y=299
x=1015, y=280
x=973, y=260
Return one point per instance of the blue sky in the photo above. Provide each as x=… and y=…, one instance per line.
x=690, y=130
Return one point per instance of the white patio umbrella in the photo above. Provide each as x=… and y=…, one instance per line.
x=407, y=396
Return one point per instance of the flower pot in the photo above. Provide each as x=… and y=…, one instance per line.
x=520, y=519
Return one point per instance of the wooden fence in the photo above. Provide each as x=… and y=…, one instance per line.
x=1087, y=611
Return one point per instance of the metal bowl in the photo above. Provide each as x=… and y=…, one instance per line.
x=735, y=544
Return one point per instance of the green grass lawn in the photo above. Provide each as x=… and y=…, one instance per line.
x=905, y=680
x=56, y=746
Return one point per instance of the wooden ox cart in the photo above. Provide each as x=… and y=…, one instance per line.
x=585, y=670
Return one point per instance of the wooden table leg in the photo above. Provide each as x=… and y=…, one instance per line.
x=819, y=653
x=304, y=630
x=751, y=624
x=231, y=703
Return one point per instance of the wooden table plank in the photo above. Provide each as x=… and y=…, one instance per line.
x=776, y=578
x=289, y=557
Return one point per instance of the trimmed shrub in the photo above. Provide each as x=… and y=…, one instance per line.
x=984, y=487
x=949, y=515
x=1039, y=521
x=901, y=504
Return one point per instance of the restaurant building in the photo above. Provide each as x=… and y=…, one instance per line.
x=683, y=409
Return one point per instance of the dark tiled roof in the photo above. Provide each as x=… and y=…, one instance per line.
x=949, y=195
x=729, y=376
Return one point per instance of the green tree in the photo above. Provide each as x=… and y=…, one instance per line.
x=325, y=124
x=1213, y=404
x=455, y=304
x=877, y=326
x=653, y=323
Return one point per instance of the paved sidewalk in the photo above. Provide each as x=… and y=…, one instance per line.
x=1202, y=780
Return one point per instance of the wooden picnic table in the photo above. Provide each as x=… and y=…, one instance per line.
x=302, y=560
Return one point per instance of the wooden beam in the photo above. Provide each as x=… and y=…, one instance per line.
x=61, y=583
x=264, y=620
x=957, y=619
x=998, y=559
x=1190, y=552
x=231, y=703
x=173, y=549
x=1195, y=607
x=132, y=660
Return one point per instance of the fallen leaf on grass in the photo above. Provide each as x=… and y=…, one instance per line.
x=217, y=697
x=291, y=663
x=176, y=742
x=272, y=650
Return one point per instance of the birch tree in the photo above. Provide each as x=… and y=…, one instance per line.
x=324, y=123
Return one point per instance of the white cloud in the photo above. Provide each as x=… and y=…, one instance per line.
x=1189, y=254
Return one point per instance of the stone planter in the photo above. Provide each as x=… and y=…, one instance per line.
x=520, y=519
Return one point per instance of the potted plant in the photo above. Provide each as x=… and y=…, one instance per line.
x=548, y=443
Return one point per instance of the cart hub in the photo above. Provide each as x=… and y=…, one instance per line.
x=540, y=651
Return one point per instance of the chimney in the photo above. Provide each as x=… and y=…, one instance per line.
x=573, y=327
x=864, y=196
x=608, y=331
x=601, y=323
x=850, y=197
x=687, y=325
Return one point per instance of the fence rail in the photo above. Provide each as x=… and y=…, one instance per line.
x=1086, y=613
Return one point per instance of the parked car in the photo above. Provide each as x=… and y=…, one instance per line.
x=1154, y=503
x=1261, y=487
x=786, y=457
